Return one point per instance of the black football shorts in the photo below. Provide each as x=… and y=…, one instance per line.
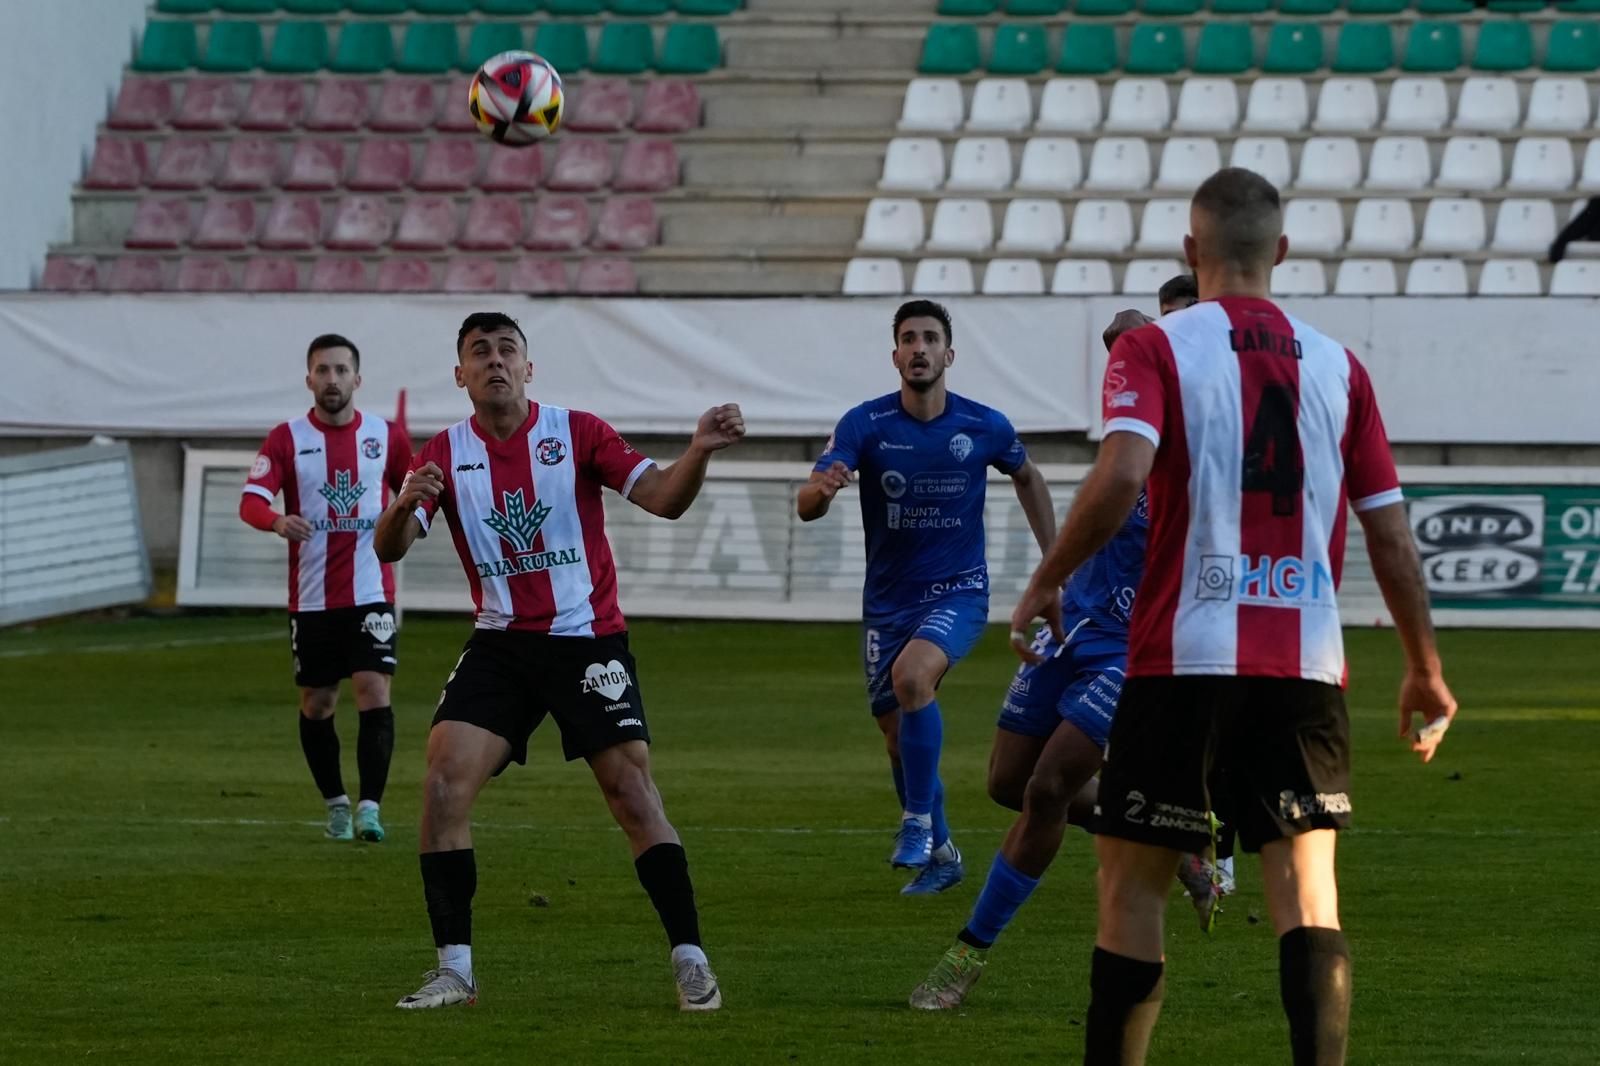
x=329, y=646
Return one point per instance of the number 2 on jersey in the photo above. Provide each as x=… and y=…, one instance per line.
x=1272, y=451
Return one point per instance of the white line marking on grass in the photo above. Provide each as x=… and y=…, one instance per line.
x=154, y=645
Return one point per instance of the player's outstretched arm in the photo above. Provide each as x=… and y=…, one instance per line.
x=816, y=495
x=1034, y=496
x=668, y=492
x=1398, y=568
x=398, y=527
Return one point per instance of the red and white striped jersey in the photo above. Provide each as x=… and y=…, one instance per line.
x=338, y=478
x=528, y=520
x=1266, y=433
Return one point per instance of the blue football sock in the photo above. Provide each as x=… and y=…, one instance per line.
x=941, y=828
x=899, y=781
x=1004, y=891
x=921, y=737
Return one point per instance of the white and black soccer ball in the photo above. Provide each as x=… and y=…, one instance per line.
x=516, y=99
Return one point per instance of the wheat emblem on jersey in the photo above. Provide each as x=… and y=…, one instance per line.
x=342, y=495
x=516, y=524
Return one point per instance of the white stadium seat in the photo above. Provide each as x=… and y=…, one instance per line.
x=1314, y=227
x=1488, y=104
x=1399, y=163
x=1542, y=164
x=1139, y=105
x=980, y=164
x=1471, y=163
x=1144, y=277
x=1347, y=105
x=1120, y=164
x=1082, y=277
x=942, y=277
x=1332, y=163
x=1277, y=105
x=1101, y=227
x=1033, y=226
x=1509, y=277
x=1589, y=180
x=932, y=104
x=913, y=164
x=1436, y=277
x=1524, y=226
x=1267, y=156
x=1162, y=229
x=1050, y=164
x=1069, y=105
x=1557, y=105
x=1366, y=277
x=1002, y=105
x=961, y=226
x=1299, y=277
x=1186, y=162
x=874, y=277
x=1576, y=277
x=1417, y=105
x=892, y=226
x=1451, y=225
x=1382, y=227
x=1207, y=105
x=1013, y=277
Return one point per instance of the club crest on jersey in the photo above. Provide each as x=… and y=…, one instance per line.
x=371, y=447
x=260, y=468
x=550, y=451
x=344, y=495
x=960, y=446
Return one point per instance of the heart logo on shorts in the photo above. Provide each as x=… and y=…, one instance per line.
x=380, y=626
x=610, y=680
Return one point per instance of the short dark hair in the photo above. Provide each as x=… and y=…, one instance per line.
x=1246, y=215
x=924, y=309
x=489, y=322
x=1179, y=289
x=333, y=340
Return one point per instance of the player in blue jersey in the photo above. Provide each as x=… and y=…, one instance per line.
x=923, y=455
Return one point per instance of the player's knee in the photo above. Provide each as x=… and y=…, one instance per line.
x=1047, y=796
x=318, y=703
x=911, y=690
x=632, y=797
x=445, y=793
x=371, y=690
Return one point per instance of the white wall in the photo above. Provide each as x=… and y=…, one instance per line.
x=60, y=63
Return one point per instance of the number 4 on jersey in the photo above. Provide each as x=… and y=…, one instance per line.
x=1272, y=460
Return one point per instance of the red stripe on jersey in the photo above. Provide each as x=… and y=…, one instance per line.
x=339, y=571
x=1155, y=607
x=587, y=439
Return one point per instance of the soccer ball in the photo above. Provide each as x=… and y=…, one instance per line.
x=516, y=99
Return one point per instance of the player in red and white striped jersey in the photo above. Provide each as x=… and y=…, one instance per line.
x=337, y=468
x=1256, y=434
x=520, y=484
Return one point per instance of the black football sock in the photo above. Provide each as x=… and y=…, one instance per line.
x=664, y=873
x=1314, y=981
x=1124, y=1001
x=321, y=744
x=374, y=749
x=449, y=881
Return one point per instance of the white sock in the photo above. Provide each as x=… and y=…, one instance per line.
x=367, y=805
x=1226, y=866
x=688, y=953
x=457, y=957
x=946, y=852
x=338, y=801
x=924, y=820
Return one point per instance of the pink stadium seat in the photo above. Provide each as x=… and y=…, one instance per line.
x=136, y=273
x=453, y=116
x=361, y=224
x=70, y=273
x=427, y=224
x=627, y=223
x=251, y=163
x=513, y=170
x=142, y=104
x=560, y=224
x=539, y=277
x=226, y=223
x=494, y=224
x=184, y=163
x=315, y=166
x=293, y=224
x=338, y=105
x=160, y=224
x=582, y=165
x=472, y=275
x=118, y=163
x=340, y=275
x=600, y=105
x=208, y=104
x=204, y=274
x=274, y=104
x=405, y=105
x=382, y=165
x=271, y=274
x=668, y=107
x=648, y=166
x=449, y=164
x=405, y=275
x=607, y=277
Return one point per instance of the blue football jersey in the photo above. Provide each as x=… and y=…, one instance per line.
x=922, y=493
x=1103, y=588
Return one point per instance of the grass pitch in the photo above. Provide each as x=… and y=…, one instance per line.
x=167, y=895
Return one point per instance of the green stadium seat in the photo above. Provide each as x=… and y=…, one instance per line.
x=364, y=48
x=1376, y=7
x=1296, y=48
x=166, y=46
x=1035, y=8
x=1239, y=7
x=639, y=9
x=564, y=44
x=950, y=49
x=1307, y=7
x=1170, y=8
x=248, y=7
x=1445, y=7
x=232, y=47
x=377, y=7
x=490, y=39
x=706, y=8
x=1581, y=6
x=690, y=48
x=1503, y=44
x=298, y=48
x=1019, y=49
x=1225, y=48
x=968, y=8
x=1364, y=48
x=442, y=8
x=1111, y=8
x=1155, y=49
x=1517, y=5
x=575, y=7
x=1432, y=47
x=313, y=7
x=429, y=48
x=510, y=7
x=1574, y=47
x=624, y=48
x=184, y=7
x=1088, y=49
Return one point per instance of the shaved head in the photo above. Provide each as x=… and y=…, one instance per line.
x=1236, y=221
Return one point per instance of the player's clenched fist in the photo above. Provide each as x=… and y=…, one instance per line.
x=720, y=427
x=833, y=479
x=426, y=482
x=292, y=527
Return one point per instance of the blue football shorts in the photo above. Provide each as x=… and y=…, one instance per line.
x=952, y=623
x=1078, y=682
